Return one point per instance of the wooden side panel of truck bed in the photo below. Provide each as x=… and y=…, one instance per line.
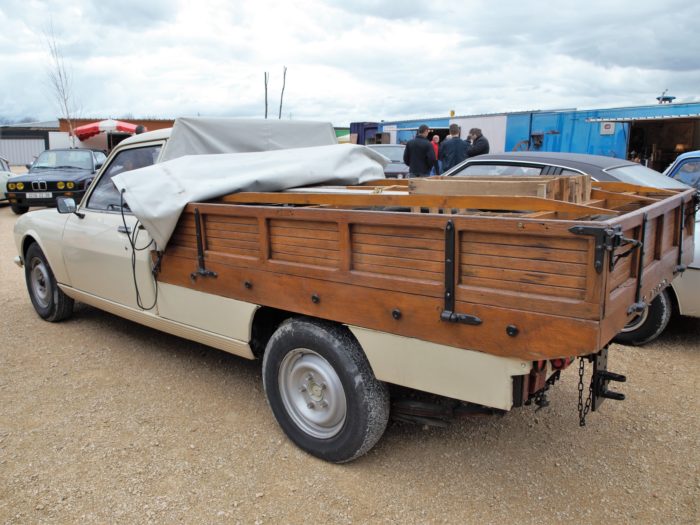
x=532, y=283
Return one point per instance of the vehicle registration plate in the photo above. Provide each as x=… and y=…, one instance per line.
x=39, y=195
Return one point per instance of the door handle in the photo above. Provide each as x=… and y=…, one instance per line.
x=124, y=229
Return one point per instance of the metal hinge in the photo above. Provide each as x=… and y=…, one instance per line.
x=201, y=271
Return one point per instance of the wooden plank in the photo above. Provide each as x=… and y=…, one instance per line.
x=525, y=288
x=496, y=186
x=429, y=201
x=520, y=276
x=302, y=233
x=437, y=255
x=399, y=242
x=573, y=242
x=525, y=252
x=399, y=262
x=416, y=275
x=516, y=263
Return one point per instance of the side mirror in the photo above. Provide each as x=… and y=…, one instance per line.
x=98, y=165
x=28, y=166
x=66, y=205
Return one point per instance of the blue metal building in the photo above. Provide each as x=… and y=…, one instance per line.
x=653, y=134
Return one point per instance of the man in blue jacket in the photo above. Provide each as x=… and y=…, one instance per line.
x=453, y=150
x=419, y=155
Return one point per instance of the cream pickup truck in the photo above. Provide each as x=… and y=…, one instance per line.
x=294, y=250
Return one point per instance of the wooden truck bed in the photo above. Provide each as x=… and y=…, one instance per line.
x=527, y=277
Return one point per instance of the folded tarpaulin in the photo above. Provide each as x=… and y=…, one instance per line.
x=205, y=135
x=157, y=194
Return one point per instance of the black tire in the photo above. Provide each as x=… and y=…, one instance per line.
x=322, y=391
x=648, y=325
x=18, y=209
x=47, y=298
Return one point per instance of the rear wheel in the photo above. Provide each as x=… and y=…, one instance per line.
x=322, y=390
x=649, y=324
x=19, y=209
x=47, y=298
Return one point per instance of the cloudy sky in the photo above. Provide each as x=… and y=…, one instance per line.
x=347, y=60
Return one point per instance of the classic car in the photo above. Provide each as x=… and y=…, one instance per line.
x=683, y=295
x=5, y=174
x=54, y=173
x=394, y=152
x=686, y=168
x=300, y=259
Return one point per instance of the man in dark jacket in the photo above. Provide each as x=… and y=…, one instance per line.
x=419, y=155
x=453, y=150
x=479, y=144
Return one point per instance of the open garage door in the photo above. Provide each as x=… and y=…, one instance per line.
x=656, y=141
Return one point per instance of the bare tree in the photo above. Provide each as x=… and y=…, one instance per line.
x=267, y=77
x=284, y=81
x=60, y=79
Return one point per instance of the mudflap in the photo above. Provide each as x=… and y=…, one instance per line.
x=601, y=379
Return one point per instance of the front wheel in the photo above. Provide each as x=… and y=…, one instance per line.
x=47, y=298
x=322, y=391
x=649, y=324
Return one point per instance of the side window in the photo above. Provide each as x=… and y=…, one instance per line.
x=105, y=195
x=689, y=173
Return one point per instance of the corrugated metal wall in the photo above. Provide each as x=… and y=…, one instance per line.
x=21, y=151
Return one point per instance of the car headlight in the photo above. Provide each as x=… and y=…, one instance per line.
x=20, y=186
x=60, y=185
x=11, y=186
x=70, y=185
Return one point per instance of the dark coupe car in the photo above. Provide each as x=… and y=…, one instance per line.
x=650, y=323
x=55, y=173
x=394, y=152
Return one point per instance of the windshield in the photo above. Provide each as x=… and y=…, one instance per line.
x=75, y=158
x=393, y=153
x=644, y=176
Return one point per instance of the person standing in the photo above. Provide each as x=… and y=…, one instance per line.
x=478, y=143
x=437, y=169
x=453, y=150
x=419, y=155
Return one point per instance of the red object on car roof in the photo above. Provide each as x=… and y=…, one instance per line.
x=110, y=125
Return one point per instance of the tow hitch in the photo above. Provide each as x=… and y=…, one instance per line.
x=598, y=388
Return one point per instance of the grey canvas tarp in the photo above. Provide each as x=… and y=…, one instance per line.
x=157, y=194
x=202, y=135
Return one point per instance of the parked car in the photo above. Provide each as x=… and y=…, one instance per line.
x=394, y=152
x=686, y=168
x=683, y=295
x=5, y=174
x=54, y=173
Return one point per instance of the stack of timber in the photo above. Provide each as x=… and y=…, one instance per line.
x=523, y=276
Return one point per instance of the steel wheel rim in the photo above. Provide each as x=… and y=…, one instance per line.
x=39, y=279
x=312, y=393
x=637, y=321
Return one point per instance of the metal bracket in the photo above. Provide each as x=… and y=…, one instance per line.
x=201, y=271
x=639, y=305
x=607, y=239
x=600, y=380
x=448, y=314
x=680, y=267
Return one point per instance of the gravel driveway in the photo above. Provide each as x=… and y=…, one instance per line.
x=104, y=421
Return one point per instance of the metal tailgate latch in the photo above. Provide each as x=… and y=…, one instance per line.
x=449, y=314
x=201, y=270
x=607, y=239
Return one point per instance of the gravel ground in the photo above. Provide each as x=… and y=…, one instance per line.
x=104, y=421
